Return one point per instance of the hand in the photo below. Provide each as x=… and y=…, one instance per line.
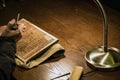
x=13, y=34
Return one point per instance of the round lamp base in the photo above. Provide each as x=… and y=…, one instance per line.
x=103, y=61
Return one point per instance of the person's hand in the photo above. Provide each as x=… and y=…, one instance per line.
x=13, y=34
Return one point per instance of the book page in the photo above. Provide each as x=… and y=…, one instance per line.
x=34, y=41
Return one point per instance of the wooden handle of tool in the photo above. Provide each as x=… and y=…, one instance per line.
x=76, y=74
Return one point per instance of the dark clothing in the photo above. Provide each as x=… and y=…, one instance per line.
x=7, y=56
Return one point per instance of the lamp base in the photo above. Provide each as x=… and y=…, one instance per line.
x=103, y=61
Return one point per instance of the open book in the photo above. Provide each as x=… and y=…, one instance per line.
x=34, y=41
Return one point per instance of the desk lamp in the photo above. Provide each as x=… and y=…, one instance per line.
x=103, y=58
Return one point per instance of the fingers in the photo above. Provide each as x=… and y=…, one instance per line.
x=21, y=28
x=2, y=28
x=15, y=34
x=11, y=23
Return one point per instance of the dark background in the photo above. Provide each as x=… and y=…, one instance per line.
x=112, y=3
x=79, y=27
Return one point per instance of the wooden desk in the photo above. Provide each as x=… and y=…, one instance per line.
x=78, y=25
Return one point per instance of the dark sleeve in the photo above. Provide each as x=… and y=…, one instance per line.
x=7, y=56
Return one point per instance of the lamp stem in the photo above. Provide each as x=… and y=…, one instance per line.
x=103, y=58
x=105, y=25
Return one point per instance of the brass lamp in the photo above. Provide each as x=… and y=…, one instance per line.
x=103, y=58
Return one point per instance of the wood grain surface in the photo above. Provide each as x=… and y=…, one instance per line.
x=78, y=26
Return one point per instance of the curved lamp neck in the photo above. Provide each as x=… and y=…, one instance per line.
x=105, y=25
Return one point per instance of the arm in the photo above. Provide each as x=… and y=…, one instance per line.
x=8, y=41
x=7, y=56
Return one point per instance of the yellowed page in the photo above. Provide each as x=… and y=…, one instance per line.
x=34, y=41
